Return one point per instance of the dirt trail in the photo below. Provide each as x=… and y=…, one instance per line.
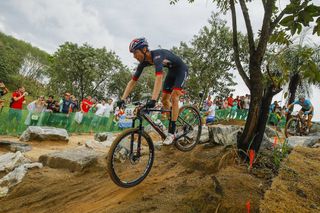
x=207, y=179
x=178, y=182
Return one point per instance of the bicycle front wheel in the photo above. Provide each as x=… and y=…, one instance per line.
x=292, y=127
x=189, y=126
x=130, y=159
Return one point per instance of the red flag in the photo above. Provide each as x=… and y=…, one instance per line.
x=251, y=157
x=248, y=206
x=275, y=141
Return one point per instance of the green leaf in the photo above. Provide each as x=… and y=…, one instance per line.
x=287, y=21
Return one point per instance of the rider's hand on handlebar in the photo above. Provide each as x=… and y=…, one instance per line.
x=151, y=103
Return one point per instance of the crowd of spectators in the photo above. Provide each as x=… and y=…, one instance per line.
x=59, y=112
x=100, y=110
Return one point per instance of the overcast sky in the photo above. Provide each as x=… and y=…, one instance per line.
x=114, y=23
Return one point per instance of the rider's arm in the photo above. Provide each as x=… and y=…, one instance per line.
x=311, y=108
x=128, y=89
x=157, y=87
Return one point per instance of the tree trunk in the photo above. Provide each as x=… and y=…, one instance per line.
x=263, y=117
x=293, y=85
x=256, y=91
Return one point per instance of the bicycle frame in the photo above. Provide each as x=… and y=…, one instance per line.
x=142, y=114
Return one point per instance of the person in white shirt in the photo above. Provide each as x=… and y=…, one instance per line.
x=246, y=102
x=211, y=113
x=105, y=119
x=101, y=108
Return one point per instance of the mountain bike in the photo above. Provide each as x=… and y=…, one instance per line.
x=297, y=125
x=131, y=154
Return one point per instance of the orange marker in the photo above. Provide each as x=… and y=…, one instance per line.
x=275, y=141
x=251, y=157
x=248, y=206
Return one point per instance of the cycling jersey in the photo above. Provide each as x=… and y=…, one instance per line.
x=178, y=70
x=306, y=105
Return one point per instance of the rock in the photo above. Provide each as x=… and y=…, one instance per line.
x=76, y=159
x=271, y=133
x=158, y=145
x=15, y=177
x=308, y=141
x=204, y=138
x=224, y=134
x=97, y=146
x=102, y=136
x=41, y=133
x=14, y=146
x=11, y=160
x=315, y=127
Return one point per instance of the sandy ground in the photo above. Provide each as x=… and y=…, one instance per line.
x=297, y=187
x=207, y=179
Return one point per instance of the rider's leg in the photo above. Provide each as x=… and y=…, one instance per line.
x=176, y=93
x=166, y=103
x=310, y=115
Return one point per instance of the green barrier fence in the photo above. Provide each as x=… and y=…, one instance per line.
x=14, y=122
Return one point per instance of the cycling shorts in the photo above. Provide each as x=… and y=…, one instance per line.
x=175, y=79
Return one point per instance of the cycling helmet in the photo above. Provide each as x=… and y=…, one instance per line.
x=138, y=43
x=301, y=97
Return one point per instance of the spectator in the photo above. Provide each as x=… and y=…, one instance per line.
x=246, y=102
x=65, y=104
x=50, y=103
x=225, y=104
x=107, y=113
x=181, y=101
x=86, y=104
x=35, y=109
x=101, y=109
x=206, y=104
x=65, y=108
x=3, y=91
x=211, y=113
x=74, y=104
x=16, y=102
x=230, y=100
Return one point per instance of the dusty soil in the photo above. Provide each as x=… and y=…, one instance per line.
x=207, y=179
x=297, y=187
x=196, y=181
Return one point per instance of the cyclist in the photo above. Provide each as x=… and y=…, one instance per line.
x=306, y=109
x=173, y=83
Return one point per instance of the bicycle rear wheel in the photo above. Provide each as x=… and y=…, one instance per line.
x=292, y=127
x=188, y=125
x=129, y=162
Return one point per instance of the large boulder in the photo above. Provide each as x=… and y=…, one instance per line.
x=271, y=133
x=15, y=177
x=76, y=159
x=228, y=135
x=315, y=127
x=224, y=134
x=308, y=141
x=44, y=133
x=14, y=146
x=11, y=160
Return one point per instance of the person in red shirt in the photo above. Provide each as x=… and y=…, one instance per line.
x=230, y=100
x=17, y=100
x=86, y=104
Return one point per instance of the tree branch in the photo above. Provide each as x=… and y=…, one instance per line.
x=236, y=45
x=276, y=21
x=248, y=26
x=265, y=30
